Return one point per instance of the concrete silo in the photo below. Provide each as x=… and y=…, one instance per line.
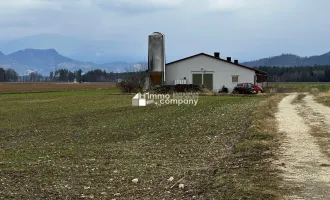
x=156, y=59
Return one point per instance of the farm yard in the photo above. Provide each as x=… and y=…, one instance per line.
x=91, y=144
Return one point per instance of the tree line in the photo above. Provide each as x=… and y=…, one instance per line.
x=317, y=73
x=96, y=75
x=62, y=75
x=8, y=75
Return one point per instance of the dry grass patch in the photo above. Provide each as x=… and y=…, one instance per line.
x=323, y=138
x=299, y=98
x=323, y=98
x=255, y=177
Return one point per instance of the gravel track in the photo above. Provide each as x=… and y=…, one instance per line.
x=301, y=159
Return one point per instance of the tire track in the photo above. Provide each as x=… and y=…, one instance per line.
x=317, y=116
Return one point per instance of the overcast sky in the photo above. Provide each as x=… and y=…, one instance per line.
x=243, y=29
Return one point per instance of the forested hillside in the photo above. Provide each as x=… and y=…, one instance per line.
x=291, y=60
x=319, y=73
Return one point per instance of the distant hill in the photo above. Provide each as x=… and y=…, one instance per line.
x=46, y=60
x=6, y=62
x=3, y=58
x=287, y=60
x=84, y=49
x=39, y=57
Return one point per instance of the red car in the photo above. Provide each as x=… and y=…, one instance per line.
x=246, y=88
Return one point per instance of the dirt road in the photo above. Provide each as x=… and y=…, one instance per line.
x=304, y=156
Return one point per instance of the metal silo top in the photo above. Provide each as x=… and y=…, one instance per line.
x=156, y=52
x=157, y=33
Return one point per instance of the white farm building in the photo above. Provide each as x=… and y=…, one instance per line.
x=212, y=72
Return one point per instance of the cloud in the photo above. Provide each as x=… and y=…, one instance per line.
x=21, y=6
x=225, y=5
x=132, y=7
x=190, y=26
x=154, y=3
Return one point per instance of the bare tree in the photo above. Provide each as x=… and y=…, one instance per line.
x=134, y=79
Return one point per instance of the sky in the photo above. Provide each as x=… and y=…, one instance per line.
x=243, y=29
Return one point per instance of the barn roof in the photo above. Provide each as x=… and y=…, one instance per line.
x=219, y=59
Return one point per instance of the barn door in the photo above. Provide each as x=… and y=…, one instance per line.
x=208, y=81
x=197, y=79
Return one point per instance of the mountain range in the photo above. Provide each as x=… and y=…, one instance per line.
x=80, y=48
x=44, y=61
x=288, y=60
x=33, y=53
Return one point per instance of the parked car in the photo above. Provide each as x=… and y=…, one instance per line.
x=247, y=88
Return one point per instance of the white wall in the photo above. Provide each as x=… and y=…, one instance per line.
x=222, y=72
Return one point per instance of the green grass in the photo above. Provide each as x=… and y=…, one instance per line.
x=91, y=144
x=303, y=87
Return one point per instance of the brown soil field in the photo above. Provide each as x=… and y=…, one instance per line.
x=44, y=87
x=92, y=145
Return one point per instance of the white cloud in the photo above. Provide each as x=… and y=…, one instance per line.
x=225, y=5
x=4, y=4
x=150, y=2
x=22, y=5
x=189, y=25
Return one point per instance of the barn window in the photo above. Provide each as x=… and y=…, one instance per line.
x=234, y=78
